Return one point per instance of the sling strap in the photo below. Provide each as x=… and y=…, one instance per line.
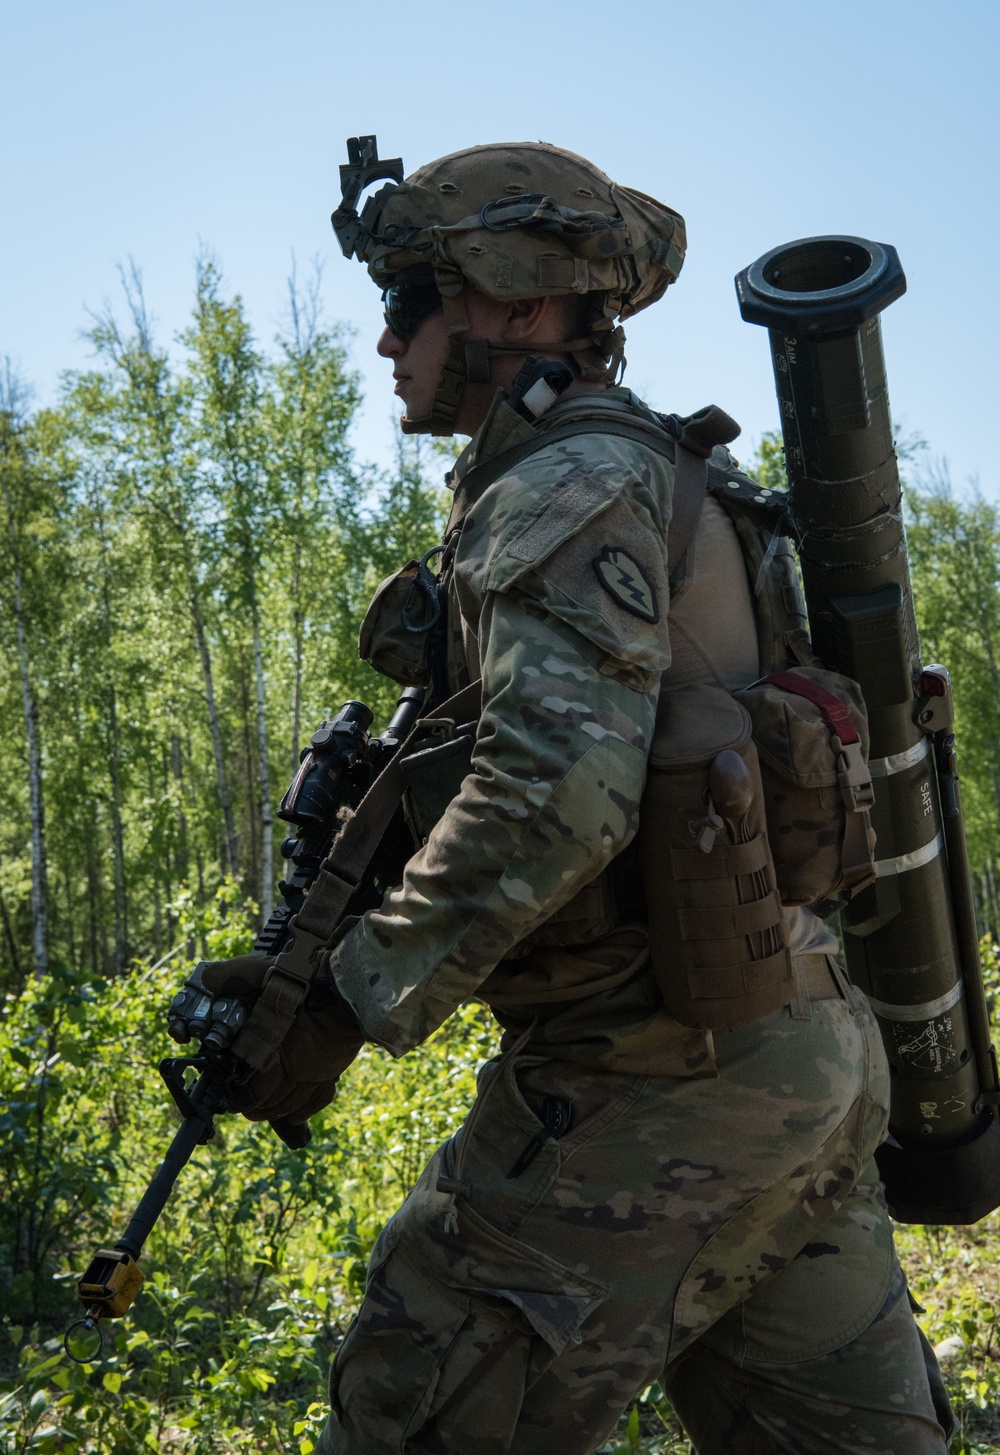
x=688, y=450
x=312, y=929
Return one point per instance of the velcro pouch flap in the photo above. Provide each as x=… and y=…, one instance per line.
x=794, y=735
x=694, y=722
x=385, y=640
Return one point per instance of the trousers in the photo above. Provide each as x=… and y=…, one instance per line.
x=587, y=1233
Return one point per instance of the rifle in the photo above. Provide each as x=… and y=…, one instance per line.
x=335, y=771
x=910, y=939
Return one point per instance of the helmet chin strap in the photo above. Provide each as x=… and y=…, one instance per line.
x=469, y=361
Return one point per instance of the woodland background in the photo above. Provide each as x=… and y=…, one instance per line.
x=187, y=543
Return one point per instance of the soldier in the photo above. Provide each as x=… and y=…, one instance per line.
x=630, y=1198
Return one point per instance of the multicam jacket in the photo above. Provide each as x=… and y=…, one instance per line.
x=525, y=892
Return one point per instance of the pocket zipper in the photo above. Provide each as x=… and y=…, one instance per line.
x=555, y=1117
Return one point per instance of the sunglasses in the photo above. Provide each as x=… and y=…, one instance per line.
x=408, y=303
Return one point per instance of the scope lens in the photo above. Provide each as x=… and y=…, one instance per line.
x=84, y=1341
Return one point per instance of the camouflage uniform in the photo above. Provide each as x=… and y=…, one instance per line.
x=629, y=1199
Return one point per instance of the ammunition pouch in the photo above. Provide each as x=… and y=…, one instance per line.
x=810, y=729
x=433, y=771
x=399, y=624
x=719, y=951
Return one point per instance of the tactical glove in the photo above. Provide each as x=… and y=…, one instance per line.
x=323, y=1041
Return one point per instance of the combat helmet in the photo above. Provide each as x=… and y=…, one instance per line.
x=514, y=220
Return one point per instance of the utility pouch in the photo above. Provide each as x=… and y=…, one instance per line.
x=395, y=633
x=810, y=728
x=441, y=757
x=717, y=939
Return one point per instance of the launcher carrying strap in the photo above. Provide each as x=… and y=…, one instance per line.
x=312, y=929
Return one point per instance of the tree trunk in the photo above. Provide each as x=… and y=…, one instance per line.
x=266, y=821
x=225, y=801
x=114, y=750
x=117, y=835
x=15, y=959
x=29, y=703
x=297, y=629
x=94, y=894
x=248, y=761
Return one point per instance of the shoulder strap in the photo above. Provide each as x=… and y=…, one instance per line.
x=473, y=486
x=690, y=482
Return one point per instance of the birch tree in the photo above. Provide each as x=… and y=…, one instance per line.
x=226, y=371
x=16, y=488
x=153, y=407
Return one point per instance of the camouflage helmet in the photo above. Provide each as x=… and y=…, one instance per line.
x=516, y=220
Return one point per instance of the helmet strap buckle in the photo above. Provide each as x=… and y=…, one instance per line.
x=477, y=361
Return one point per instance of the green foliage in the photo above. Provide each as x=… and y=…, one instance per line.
x=257, y=1265
x=194, y=544
x=954, y=549
x=767, y=464
x=189, y=543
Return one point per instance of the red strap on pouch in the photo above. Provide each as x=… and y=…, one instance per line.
x=835, y=713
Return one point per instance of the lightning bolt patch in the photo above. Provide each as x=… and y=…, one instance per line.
x=624, y=579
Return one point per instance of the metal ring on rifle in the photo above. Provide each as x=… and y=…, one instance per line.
x=88, y=1325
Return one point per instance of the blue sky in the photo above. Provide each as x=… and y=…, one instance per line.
x=146, y=130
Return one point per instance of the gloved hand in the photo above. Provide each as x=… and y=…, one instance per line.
x=323, y=1040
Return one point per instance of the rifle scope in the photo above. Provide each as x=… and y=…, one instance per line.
x=910, y=939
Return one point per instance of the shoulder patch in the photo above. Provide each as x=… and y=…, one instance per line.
x=624, y=579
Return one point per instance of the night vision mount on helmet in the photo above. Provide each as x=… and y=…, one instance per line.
x=513, y=220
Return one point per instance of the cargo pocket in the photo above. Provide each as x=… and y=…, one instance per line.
x=450, y=1328
x=438, y=760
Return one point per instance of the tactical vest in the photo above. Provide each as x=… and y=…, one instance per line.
x=719, y=950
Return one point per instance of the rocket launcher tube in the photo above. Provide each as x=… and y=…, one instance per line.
x=909, y=939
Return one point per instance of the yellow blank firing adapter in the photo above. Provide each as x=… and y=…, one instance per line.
x=107, y=1290
x=111, y=1282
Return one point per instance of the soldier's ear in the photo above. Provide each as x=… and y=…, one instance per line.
x=527, y=318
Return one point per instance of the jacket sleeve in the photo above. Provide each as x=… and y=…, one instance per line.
x=570, y=680
x=558, y=772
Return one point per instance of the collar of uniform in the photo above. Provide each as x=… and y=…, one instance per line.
x=502, y=428
x=614, y=400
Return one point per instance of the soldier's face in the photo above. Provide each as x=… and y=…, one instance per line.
x=417, y=363
x=418, y=358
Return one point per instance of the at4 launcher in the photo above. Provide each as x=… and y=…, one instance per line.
x=910, y=939
x=336, y=771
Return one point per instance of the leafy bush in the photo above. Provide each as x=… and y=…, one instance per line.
x=257, y=1266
